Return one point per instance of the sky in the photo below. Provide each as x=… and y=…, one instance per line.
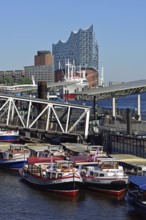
x=27, y=26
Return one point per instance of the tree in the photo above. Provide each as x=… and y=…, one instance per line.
x=8, y=80
x=24, y=80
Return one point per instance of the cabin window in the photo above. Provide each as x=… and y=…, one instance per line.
x=29, y=166
x=4, y=155
x=53, y=175
x=59, y=175
x=48, y=174
x=101, y=174
x=10, y=155
x=1, y=155
x=95, y=174
x=46, y=153
x=91, y=173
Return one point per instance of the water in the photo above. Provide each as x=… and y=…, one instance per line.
x=19, y=201
x=122, y=102
x=126, y=102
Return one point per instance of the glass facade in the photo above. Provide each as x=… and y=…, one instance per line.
x=80, y=49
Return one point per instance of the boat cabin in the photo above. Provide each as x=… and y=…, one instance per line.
x=96, y=150
x=92, y=172
x=39, y=152
x=74, y=149
x=103, y=165
x=5, y=155
x=56, y=150
x=17, y=148
x=108, y=163
x=46, y=150
x=49, y=170
x=64, y=164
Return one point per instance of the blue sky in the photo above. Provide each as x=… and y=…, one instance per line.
x=27, y=26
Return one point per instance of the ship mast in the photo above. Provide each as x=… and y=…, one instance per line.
x=102, y=77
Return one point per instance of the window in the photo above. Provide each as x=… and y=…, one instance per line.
x=91, y=173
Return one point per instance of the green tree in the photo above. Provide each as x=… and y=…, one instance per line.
x=8, y=80
x=24, y=80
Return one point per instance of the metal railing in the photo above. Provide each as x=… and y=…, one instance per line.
x=43, y=115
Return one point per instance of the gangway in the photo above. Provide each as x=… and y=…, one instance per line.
x=34, y=114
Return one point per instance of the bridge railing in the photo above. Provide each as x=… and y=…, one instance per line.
x=31, y=113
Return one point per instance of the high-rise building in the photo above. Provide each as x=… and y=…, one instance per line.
x=43, y=57
x=81, y=50
x=43, y=68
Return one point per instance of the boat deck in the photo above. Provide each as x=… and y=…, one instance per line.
x=134, y=163
x=4, y=146
x=75, y=147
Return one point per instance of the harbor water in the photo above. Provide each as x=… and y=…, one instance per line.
x=127, y=102
x=19, y=201
x=122, y=102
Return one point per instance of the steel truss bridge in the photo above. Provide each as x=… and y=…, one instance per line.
x=39, y=115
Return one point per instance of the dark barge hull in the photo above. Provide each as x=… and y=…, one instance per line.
x=68, y=188
x=139, y=207
x=115, y=188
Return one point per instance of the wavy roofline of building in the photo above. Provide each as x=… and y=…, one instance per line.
x=73, y=33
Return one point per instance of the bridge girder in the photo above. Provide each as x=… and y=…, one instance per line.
x=30, y=114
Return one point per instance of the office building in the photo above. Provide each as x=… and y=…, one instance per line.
x=43, y=68
x=43, y=57
x=40, y=73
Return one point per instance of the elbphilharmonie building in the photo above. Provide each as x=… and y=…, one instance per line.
x=80, y=49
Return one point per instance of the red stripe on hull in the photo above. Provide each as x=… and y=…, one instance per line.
x=71, y=193
x=9, y=140
x=113, y=192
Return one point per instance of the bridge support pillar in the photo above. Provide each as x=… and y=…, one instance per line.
x=138, y=108
x=114, y=107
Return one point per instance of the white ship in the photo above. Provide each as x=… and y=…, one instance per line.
x=78, y=79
